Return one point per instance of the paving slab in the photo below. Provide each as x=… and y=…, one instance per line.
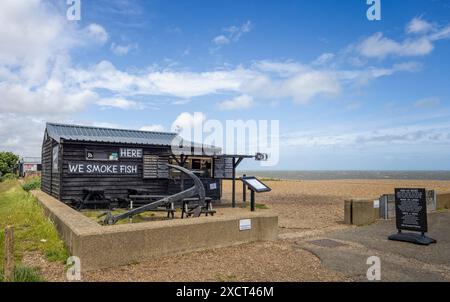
x=400, y=261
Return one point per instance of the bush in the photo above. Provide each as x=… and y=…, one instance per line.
x=7, y=162
x=33, y=183
x=9, y=176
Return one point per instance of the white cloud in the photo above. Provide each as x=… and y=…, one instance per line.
x=421, y=44
x=378, y=46
x=97, y=33
x=233, y=34
x=120, y=103
x=304, y=87
x=21, y=134
x=32, y=38
x=185, y=122
x=442, y=34
x=35, y=58
x=419, y=134
x=239, y=102
x=419, y=26
x=263, y=79
x=427, y=102
x=121, y=50
x=38, y=79
x=153, y=128
x=163, y=83
x=286, y=68
x=51, y=98
x=323, y=59
x=221, y=40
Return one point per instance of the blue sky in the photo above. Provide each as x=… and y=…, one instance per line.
x=349, y=93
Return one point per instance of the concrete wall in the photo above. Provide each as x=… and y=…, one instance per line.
x=360, y=211
x=443, y=201
x=108, y=246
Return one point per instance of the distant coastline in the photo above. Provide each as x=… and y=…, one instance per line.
x=335, y=175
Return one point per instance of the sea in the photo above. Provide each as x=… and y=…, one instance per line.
x=333, y=175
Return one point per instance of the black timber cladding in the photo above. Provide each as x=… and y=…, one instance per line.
x=76, y=146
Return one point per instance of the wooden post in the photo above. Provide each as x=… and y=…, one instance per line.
x=235, y=164
x=252, y=201
x=9, y=254
x=244, y=191
x=233, y=185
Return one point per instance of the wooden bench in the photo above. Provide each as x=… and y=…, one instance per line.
x=92, y=196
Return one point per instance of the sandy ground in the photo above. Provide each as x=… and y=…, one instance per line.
x=305, y=208
x=312, y=205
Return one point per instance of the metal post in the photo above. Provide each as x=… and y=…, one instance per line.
x=9, y=254
x=183, y=161
x=131, y=208
x=244, y=191
x=252, y=200
x=233, y=185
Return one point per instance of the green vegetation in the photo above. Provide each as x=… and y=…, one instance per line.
x=258, y=206
x=270, y=179
x=227, y=278
x=32, y=230
x=25, y=274
x=143, y=217
x=32, y=183
x=8, y=176
x=7, y=162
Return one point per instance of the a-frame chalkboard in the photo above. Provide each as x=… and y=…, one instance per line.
x=411, y=215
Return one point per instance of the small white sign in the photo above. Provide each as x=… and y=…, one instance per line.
x=376, y=204
x=213, y=186
x=245, y=224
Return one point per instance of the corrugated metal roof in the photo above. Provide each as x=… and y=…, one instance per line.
x=108, y=135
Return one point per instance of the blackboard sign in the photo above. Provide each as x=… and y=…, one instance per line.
x=223, y=168
x=411, y=210
x=156, y=167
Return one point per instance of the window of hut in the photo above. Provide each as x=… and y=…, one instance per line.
x=102, y=155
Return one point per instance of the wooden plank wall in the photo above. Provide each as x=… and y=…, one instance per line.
x=56, y=175
x=46, y=166
x=50, y=180
x=115, y=186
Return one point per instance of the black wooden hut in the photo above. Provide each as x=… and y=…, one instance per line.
x=77, y=159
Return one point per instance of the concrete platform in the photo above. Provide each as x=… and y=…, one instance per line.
x=109, y=246
x=400, y=261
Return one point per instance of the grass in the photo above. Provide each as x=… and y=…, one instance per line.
x=32, y=230
x=270, y=179
x=258, y=206
x=25, y=274
x=32, y=183
x=143, y=217
x=227, y=278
